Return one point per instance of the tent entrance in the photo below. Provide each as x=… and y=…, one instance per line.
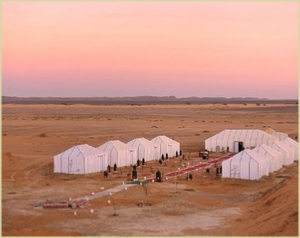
x=238, y=146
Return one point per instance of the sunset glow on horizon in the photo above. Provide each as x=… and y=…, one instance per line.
x=202, y=49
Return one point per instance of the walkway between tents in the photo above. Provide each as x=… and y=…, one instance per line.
x=168, y=175
x=106, y=192
x=196, y=167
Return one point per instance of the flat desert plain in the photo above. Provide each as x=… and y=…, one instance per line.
x=205, y=206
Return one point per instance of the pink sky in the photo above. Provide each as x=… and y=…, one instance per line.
x=213, y=49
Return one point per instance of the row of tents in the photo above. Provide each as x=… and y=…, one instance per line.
x=258, y=152
x=85, y=159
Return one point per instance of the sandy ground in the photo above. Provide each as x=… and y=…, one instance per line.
x=207, y=205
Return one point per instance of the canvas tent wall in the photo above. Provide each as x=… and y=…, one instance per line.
x=245, y=165
x=80, y=159
x=275, y=158
x=293, y=145
x=145, y=149
x=286, y=152
x=233, y=140
x=227, y=171
x=119, y=153
x=167, y=146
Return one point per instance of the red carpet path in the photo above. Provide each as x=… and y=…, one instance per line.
x=194, y=167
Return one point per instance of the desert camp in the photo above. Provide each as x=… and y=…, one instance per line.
x=150, y=118
x=49, y=175
x=249, y=164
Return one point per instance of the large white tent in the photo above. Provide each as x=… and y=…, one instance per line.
x=167, y=146
x=237, y=140
x=293, y=145
x=286, y=152
x=275, y=158
x=145, y=149
x=245, y=165
x=80, y=159
x=119, y=153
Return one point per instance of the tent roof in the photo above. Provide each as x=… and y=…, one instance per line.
x=143, y=141
x=252, y=154
x=276, y=133
x=282, y=145
x=246, y=133
x=267, y=149
x=84, y=149
x=165, y=139
x=288, y=140
x=118, y=145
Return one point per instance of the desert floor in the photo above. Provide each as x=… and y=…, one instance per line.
x=206, y=206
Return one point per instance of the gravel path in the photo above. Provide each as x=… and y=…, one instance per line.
x=106, y=192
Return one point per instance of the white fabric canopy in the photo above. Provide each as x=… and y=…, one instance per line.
x=286, y=152
x=80, y=159
x=293, y=145
x=228, y=138
x=279, y=135
x=275, y=158
x=145, y=149
x=245, y=165
x=167, y=146
x=119, y=153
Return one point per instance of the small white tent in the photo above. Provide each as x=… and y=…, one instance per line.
x=167, y=146
x=80, y=159
x=145, y=149
x=275, y=158
x=119, y=153
x=286, y=152
x=293, y=145
x=237, y=140
x=245, y=165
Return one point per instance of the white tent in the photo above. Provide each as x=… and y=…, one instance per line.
x=275, y=158
x=286, y=152
x=80, y=159
x=167, y=146
x=245, y=165
x=145, y=149
x=292, y=144
x=119, y=153
x=237, y=140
